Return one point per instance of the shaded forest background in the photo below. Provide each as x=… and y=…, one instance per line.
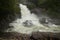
x=52, y=6
x=9, y=10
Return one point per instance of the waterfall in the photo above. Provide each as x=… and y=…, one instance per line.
x=28, y=23
x=27, y=15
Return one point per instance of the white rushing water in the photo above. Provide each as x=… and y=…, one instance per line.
x=28, y=23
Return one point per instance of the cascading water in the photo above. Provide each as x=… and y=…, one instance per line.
x=28, y=23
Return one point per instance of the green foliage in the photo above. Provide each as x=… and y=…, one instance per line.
x=54, y=8
x=9, y=10
x=13, y=5
x=8, y=6
x=40, y=2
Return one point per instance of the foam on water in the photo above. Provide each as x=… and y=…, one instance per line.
x=27, y=15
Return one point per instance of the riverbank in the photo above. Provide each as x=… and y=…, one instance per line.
x=33, y=36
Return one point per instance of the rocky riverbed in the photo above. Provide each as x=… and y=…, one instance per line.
x=33, y=36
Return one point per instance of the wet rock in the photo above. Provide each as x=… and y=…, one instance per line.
x=33, y=36
x=27, y=23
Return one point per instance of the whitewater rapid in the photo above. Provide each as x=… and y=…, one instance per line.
x=28, y=23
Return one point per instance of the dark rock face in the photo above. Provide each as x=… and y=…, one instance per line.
x=27, y=23
x=56, y=21
x=8, y=13
x=6, y=19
